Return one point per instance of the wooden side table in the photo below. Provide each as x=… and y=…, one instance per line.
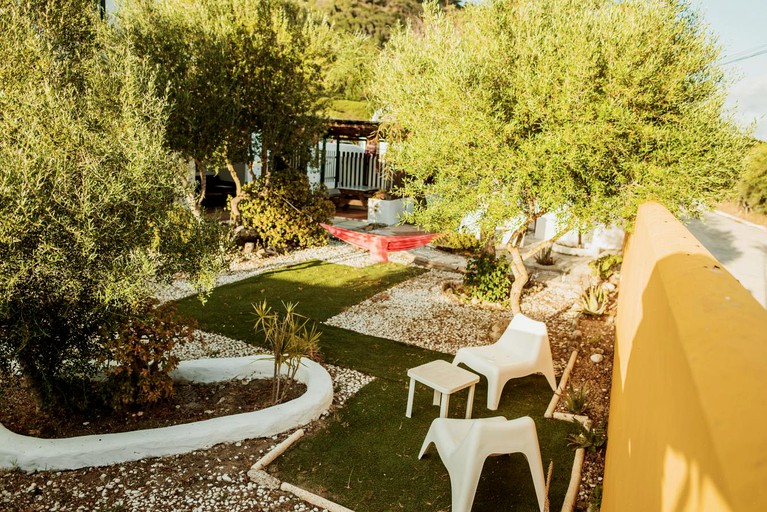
x=445, y=379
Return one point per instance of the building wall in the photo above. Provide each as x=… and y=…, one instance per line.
x=688, y=410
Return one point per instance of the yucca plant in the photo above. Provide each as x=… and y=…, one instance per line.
x=577, y=399
x=594, y=300
x=290, y=338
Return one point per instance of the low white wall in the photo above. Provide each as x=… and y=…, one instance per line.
x=31, y=453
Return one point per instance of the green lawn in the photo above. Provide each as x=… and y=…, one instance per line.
x=365, y=456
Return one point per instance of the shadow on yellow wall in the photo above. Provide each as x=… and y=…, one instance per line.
x=687, y=424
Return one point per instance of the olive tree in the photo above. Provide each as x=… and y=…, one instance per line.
x=752, y=186
x=91, y=216
x=235, y=72
x=515, y=108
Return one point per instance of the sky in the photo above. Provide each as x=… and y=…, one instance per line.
x=741, y=28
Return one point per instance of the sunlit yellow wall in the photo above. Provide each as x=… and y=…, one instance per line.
x=688, y=412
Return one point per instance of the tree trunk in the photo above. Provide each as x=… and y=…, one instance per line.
x=233, y=204
x=265, y=170
x=518, y=264
x=488, y=244
x=520, y=275
x=192, y=201
x=199, y=167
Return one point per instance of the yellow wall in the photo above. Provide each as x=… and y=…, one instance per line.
x=688, y=412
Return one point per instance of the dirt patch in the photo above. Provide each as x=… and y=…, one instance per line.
x=190, y=402
x=593, y=337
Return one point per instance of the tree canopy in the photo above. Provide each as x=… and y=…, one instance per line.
x=90, y=210
x=752, y=186
x=232, y=70
x=513, y=109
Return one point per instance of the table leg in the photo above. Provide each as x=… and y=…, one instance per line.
x=436, y=397
x=444, y=406
x=470, y=402
x=410, y=395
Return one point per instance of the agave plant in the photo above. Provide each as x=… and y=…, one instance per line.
x=594, y=300
x=592, y=438
x=577, y=399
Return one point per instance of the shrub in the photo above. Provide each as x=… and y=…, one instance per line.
x=290, y=341
x=460, y=242
x=594, y=301
x=90, y=212
x=752, y=187
x=605, y=266
x=488, y=278
x=140, y=355
x=577, y=400
x=284, y=211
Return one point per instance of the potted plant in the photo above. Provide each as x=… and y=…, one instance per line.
x=384, y=208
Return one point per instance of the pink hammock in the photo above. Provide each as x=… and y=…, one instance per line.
x=379, y=245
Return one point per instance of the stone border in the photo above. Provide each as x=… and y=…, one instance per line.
x=31, y=453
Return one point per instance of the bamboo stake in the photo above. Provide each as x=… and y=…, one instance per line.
x=317, y=501
x=562, y=383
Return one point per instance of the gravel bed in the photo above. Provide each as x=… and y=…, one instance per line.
x=206, y=480
x=418, y=313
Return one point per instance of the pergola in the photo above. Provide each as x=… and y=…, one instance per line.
x=351, y=131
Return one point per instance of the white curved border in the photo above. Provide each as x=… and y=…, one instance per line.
x=31, y=453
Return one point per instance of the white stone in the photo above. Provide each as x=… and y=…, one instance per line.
x=597, y=358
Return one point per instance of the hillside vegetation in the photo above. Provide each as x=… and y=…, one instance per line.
x=374, y=18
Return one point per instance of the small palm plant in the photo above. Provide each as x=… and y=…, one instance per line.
x=290, y=338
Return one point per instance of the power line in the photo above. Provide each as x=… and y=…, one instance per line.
x=738, y=59
x=747, y=51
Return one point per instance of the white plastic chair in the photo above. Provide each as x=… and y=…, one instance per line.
x=463, y=446
x=522, y=349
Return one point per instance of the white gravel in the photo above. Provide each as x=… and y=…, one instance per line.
x=417, y=312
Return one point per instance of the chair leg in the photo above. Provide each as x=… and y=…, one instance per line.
x=494, y=390
x=549, y=374
x=463, y=485
x=426, y=442
x=532, y=453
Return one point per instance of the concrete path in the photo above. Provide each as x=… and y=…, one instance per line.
x=741, y=248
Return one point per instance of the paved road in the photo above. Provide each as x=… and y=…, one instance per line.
x=741, y=248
